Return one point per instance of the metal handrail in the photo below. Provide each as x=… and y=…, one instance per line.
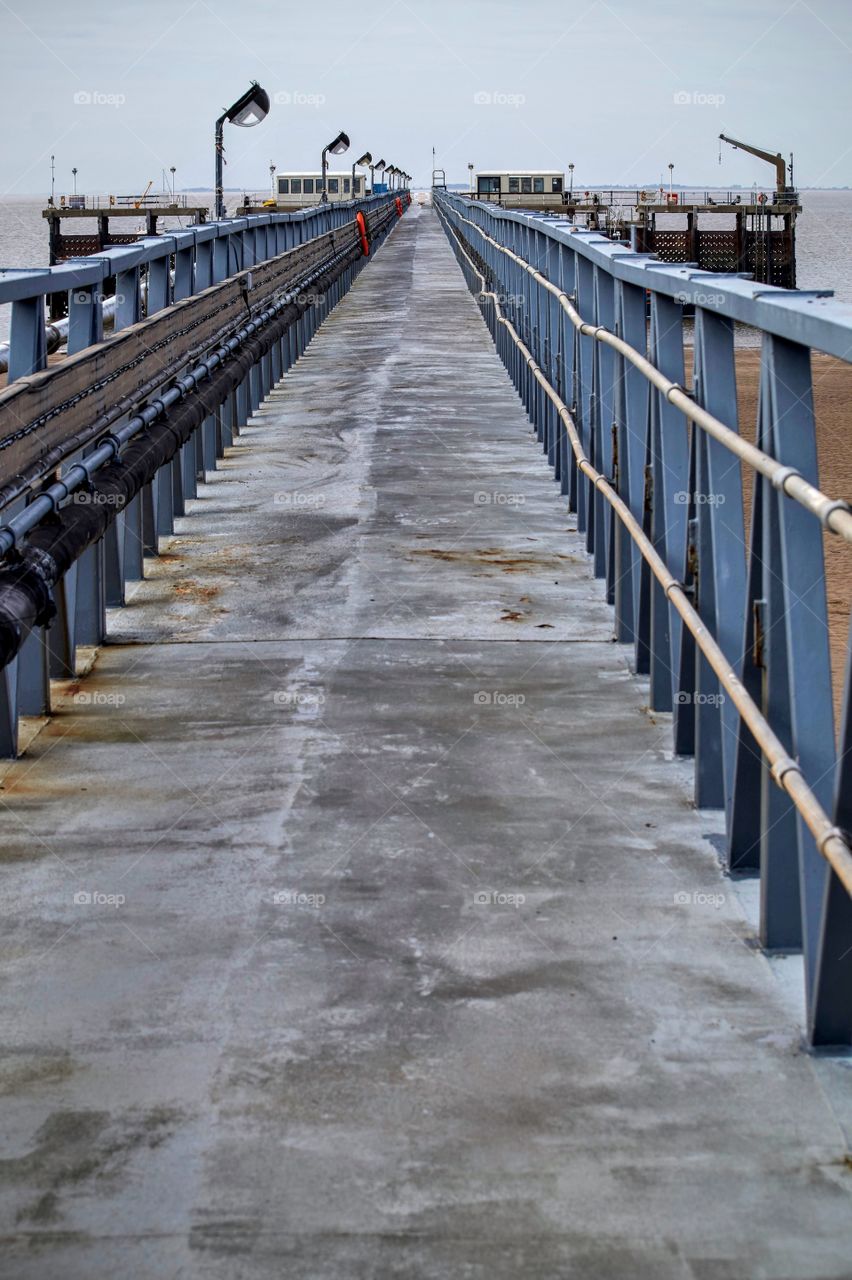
x=80, y=474
x=833, y=513
x=786, y=772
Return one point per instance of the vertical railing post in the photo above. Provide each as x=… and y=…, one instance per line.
x=766, y=638
x=604, y=416
x=27, y=340
x=719, y=559
x=85, y=316
x=631, y=411
x=568, y=284
x=831, y=1004
x=125, y=538
x=667, y=501
x=801, y=567
x=584, y=289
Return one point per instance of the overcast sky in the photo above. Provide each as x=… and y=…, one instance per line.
x=620, y=88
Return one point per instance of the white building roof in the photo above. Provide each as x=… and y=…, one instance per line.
x=317, y=173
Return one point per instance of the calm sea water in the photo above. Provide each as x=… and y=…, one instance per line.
x=824, y=240
x=23, y=234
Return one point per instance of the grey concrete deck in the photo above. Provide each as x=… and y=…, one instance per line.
x=411, y=956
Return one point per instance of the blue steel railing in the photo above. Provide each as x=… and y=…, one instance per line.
x=732, y=631
x=144, y=280
x=174, y=266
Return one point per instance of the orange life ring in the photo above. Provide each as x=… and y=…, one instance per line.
x=398, y=203
x=361, y=223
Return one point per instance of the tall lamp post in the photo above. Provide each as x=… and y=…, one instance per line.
x=247, y=111
x=337, y=146
x=366, y=158
x=470, y=173
x=570, y=181
x=671, y=175
x=380, y=164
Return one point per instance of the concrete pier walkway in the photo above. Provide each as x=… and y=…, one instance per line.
x=357, y=921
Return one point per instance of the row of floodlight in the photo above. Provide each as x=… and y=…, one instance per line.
x=253, y=107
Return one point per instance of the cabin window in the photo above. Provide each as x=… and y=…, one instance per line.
x=346, y=186
x=526, y=186
x=357, y=186
x=557, y=184
x=283, y=186
x=488, y=186
x=538, y=186
x=334, y=186
x=296, y=186
x=514, y=186
x=309, y=186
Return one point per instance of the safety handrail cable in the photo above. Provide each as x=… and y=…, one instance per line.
x=833, y=513
x=786, y=772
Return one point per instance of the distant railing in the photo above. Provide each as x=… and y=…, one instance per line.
x=100, y=452
x=632, y=198
x=103, y=203
x=733, y=632
x=177, y=263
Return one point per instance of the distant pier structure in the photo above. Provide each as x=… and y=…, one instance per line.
x=64, y=245
x=103, y=209
x=716, y=230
